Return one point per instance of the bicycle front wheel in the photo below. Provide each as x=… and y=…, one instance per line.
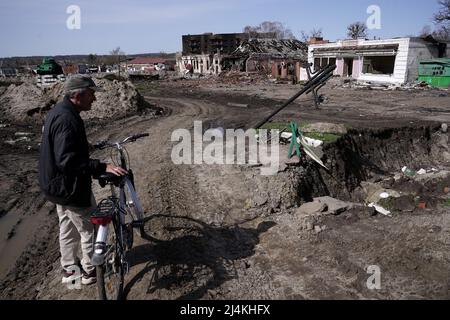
x=110, y=275
x=132, y=205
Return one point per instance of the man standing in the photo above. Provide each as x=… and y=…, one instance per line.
x=65, y=171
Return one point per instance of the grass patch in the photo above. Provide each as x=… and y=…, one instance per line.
x=323, y=136
x=387, y=204
x=447, y=203
x=283, y=126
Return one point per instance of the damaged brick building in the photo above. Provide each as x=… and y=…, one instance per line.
x=282, y=59
x=203, y=53
x=213, y=53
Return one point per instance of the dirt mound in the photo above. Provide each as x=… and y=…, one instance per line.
x=28, y=104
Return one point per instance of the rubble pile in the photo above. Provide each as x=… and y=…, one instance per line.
x=234, y=77
x=28, y=104
x=119, y=99
x=20, y=102
x=367, y=85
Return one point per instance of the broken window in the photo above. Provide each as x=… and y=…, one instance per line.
x=379, y=65
x=316, y=64
x=323, y=62
x=290, y=69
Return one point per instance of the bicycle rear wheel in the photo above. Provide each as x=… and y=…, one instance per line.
x=110, y=275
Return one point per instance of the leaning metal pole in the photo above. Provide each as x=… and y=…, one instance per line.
x=318, y=80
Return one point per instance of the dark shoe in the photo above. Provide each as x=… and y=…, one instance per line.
x=89, y=278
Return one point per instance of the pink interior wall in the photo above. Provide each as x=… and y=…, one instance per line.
x=339, y=67
x=356, y=68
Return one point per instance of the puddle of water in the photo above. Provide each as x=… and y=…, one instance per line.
x=11, y=249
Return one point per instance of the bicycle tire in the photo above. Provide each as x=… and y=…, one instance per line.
x=104, y=294
x=110, y=275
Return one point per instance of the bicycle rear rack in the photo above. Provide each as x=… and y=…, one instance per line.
x=105, y=208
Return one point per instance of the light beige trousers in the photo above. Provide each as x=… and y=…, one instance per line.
x=75, y=227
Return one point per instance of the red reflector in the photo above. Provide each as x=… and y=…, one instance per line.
x=101, y=220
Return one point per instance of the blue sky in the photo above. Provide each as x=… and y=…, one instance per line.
x=38, y=27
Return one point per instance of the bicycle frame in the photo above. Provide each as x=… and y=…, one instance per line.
x=100, y=247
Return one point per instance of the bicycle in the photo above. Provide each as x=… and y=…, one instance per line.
x=115, y=219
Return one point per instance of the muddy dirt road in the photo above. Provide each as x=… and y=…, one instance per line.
x=226, y=232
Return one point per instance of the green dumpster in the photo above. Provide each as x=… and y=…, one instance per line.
x=435, y=72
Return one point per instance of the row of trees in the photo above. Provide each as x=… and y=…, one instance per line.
x=114, y=57
x=441, y=21
x=356, y=30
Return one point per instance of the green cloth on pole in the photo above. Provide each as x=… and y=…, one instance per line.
x=294, y=143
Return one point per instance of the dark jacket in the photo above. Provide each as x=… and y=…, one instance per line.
x=65, y=168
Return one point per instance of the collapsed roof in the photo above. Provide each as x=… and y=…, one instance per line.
x=273, y=48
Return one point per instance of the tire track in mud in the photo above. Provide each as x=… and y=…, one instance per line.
x=186, y=201
x=167, y=187
x=171, y=190
x=162, y=186
x=198, y=260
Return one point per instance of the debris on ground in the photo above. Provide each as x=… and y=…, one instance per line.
x=22, y=139
x=380, y=209
x=375, y=192
x=409, y=172
x=225, y=250
x=325, y=127
x=238, y=105
x=325, y=205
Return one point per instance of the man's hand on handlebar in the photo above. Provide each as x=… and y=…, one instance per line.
x=106, y=144
x=118, y=171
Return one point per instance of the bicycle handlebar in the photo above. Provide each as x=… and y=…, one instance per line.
x=107, y=144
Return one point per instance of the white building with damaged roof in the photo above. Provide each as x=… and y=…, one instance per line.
x=393, y=61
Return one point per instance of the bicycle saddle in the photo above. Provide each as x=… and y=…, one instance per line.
x=107, y=178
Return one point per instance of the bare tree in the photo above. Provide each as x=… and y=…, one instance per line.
x=117, y=52
x=442, y=21
x=117, y=56
x=92, y=58
x=439, y=33
x=314, y=33
x=357, y=30
x=426, y=31
x=252, y=31
x=443, y=16
x=277, y=28
x=442, y=33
